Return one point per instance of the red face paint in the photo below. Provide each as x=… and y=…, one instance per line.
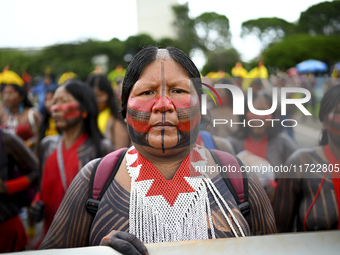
x=139, y=111
x=333, y=123
x=334, y=118
x=69, y=110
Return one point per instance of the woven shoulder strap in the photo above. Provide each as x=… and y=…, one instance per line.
x=102, y=176
x=235, y=179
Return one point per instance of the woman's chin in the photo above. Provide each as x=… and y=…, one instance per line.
x=163, y=144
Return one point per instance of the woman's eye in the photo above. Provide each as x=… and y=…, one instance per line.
x=178, y=91
x=147, y=93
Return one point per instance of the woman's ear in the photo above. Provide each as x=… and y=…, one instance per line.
x=84, y=115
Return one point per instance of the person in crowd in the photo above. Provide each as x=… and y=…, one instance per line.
x=153, y=197
x=308, y=198
x=18, y=113
x=47, y=127
x=47, y=83
x=224, y=111
x=19, y=171
x=259, y=140
x=110, y=121
x=75, y=113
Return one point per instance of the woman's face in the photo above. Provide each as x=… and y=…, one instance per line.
x=11, y=97
x=101, y=98
x=259, y=103
x=163, y=107
x=65, y=109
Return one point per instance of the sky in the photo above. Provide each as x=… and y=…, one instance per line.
x=39, y=23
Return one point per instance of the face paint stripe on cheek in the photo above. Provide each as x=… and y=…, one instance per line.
x=139, y=121
x=333, y=130
x=189, y=125
x=140, y=105
x=69, y=110
x=333, y=118
x=188, y=118
x=72, y=114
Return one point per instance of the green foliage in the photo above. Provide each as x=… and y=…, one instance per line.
x=212, y=31
x=294, y=49
x=284, y=45
x=184, y=27
x=17, y=61
x=322, y=19
x=135, y=43
x=221, y=60
x=268, y=30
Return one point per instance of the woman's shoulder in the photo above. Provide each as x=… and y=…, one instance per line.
x=106, y=145
x=49, y=141
x=305, y=154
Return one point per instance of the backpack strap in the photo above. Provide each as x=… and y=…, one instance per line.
x=236, y=181
x=208, y=140
x=104, y=172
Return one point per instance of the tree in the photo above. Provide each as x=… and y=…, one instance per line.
x=212, y=30
x=322, y=19
x=294, y=49
x=268, y=30
x=184, y=27
x=221, y=60
x=135, y=43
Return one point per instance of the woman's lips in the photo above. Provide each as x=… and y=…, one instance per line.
x=166, y=126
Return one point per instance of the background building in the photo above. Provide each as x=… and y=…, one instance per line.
x=155, y=17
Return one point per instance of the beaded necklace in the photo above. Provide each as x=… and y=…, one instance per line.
x=173, y=210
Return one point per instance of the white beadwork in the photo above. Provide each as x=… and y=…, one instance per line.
x=152, y=219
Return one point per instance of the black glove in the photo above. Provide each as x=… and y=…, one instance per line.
x=124, y=243
x=36, y=211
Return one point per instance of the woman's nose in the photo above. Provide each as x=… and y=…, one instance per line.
x=163, y=104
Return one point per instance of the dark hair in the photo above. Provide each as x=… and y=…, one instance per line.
x=330, y=100
x=45, y=118
x=86, y=98
x=22, y=92
x=273, y=131
x=145, y=57
x=103, y=84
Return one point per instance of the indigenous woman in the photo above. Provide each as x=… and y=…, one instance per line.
x=260, y=141
x=157, y=194
x=110, y=122
x=309, y=198
x=17, y=113
x=75, y=114
x=19, y=169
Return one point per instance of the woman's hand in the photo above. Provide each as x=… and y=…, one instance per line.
x=124, y=243
x=36, y=211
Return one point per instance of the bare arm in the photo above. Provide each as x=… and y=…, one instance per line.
x=287, y=198
x=23, y=156
x=261, y=217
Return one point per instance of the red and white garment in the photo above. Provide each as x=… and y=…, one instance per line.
x=173, y=210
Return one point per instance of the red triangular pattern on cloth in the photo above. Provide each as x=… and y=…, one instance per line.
x=169, y=189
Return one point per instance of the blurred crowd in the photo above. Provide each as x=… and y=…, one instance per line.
x=51, y=126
